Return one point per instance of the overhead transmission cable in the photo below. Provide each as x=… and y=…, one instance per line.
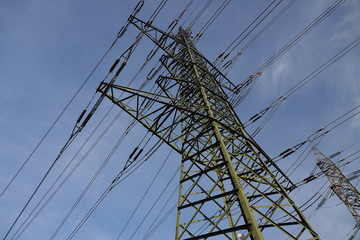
x=191, y=13
x=301, y=35
x=96, y=142
x=34, y=215
x=213, y=18
x=353, y=154
x=225, y=54
x=68, y=142
x=153, y=52
x=116, y=181
x=155, y=203
x=136, y=10
x=352, y=145
x=228, y=65
x=196, y=18
x=267, y=25
x=120, y=177
x=349, y=161
x=77, y=129
x=235, y=43
x=317, y=136
x=125, y=171
x=83, y=124
x=144, y=195
x=109, y=156
x=77, y=165
x=311, y=204
x=91, y=211
x=256, y=25
x=156, y=223
x=133, y=153
x=157, y=10
x=270, y=110
x=314, y=175
x=243, y=89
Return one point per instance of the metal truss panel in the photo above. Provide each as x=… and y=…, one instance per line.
x=340, y=185
x=228, y=184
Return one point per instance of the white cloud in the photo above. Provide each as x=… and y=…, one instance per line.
x=349, y=25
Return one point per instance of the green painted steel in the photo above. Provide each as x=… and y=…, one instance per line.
x=229, y=186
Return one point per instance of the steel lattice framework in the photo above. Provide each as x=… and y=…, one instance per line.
x=228, y=184
x=341, y=186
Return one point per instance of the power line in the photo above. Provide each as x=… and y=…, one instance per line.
x=254, y=27
x=133, y=163
x=227, y=66
x=234, y=44
x=113, y=150
x=211, y=20
x=270, y=110
x=155, y=225
x=301, y=35
x=22, y=228
x=78, y=164
x=144, y=195
x=245, y=87
x=125, y=168
x=122, y=31
x=155, y=203
x=315, y=139
x=268, y=25
x=68, y=142
x=75, y=132
x=58, y=118
x=116, y=181
x=200, y=13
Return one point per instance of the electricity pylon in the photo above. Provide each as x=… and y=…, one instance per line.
x=341, y=186
x=229, y=186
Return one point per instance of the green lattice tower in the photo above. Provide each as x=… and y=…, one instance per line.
x=228, y=185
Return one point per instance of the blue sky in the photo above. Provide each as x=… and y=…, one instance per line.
x=48, y=48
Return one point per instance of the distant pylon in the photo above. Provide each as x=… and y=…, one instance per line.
x=229, y=187
x=341, y=186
